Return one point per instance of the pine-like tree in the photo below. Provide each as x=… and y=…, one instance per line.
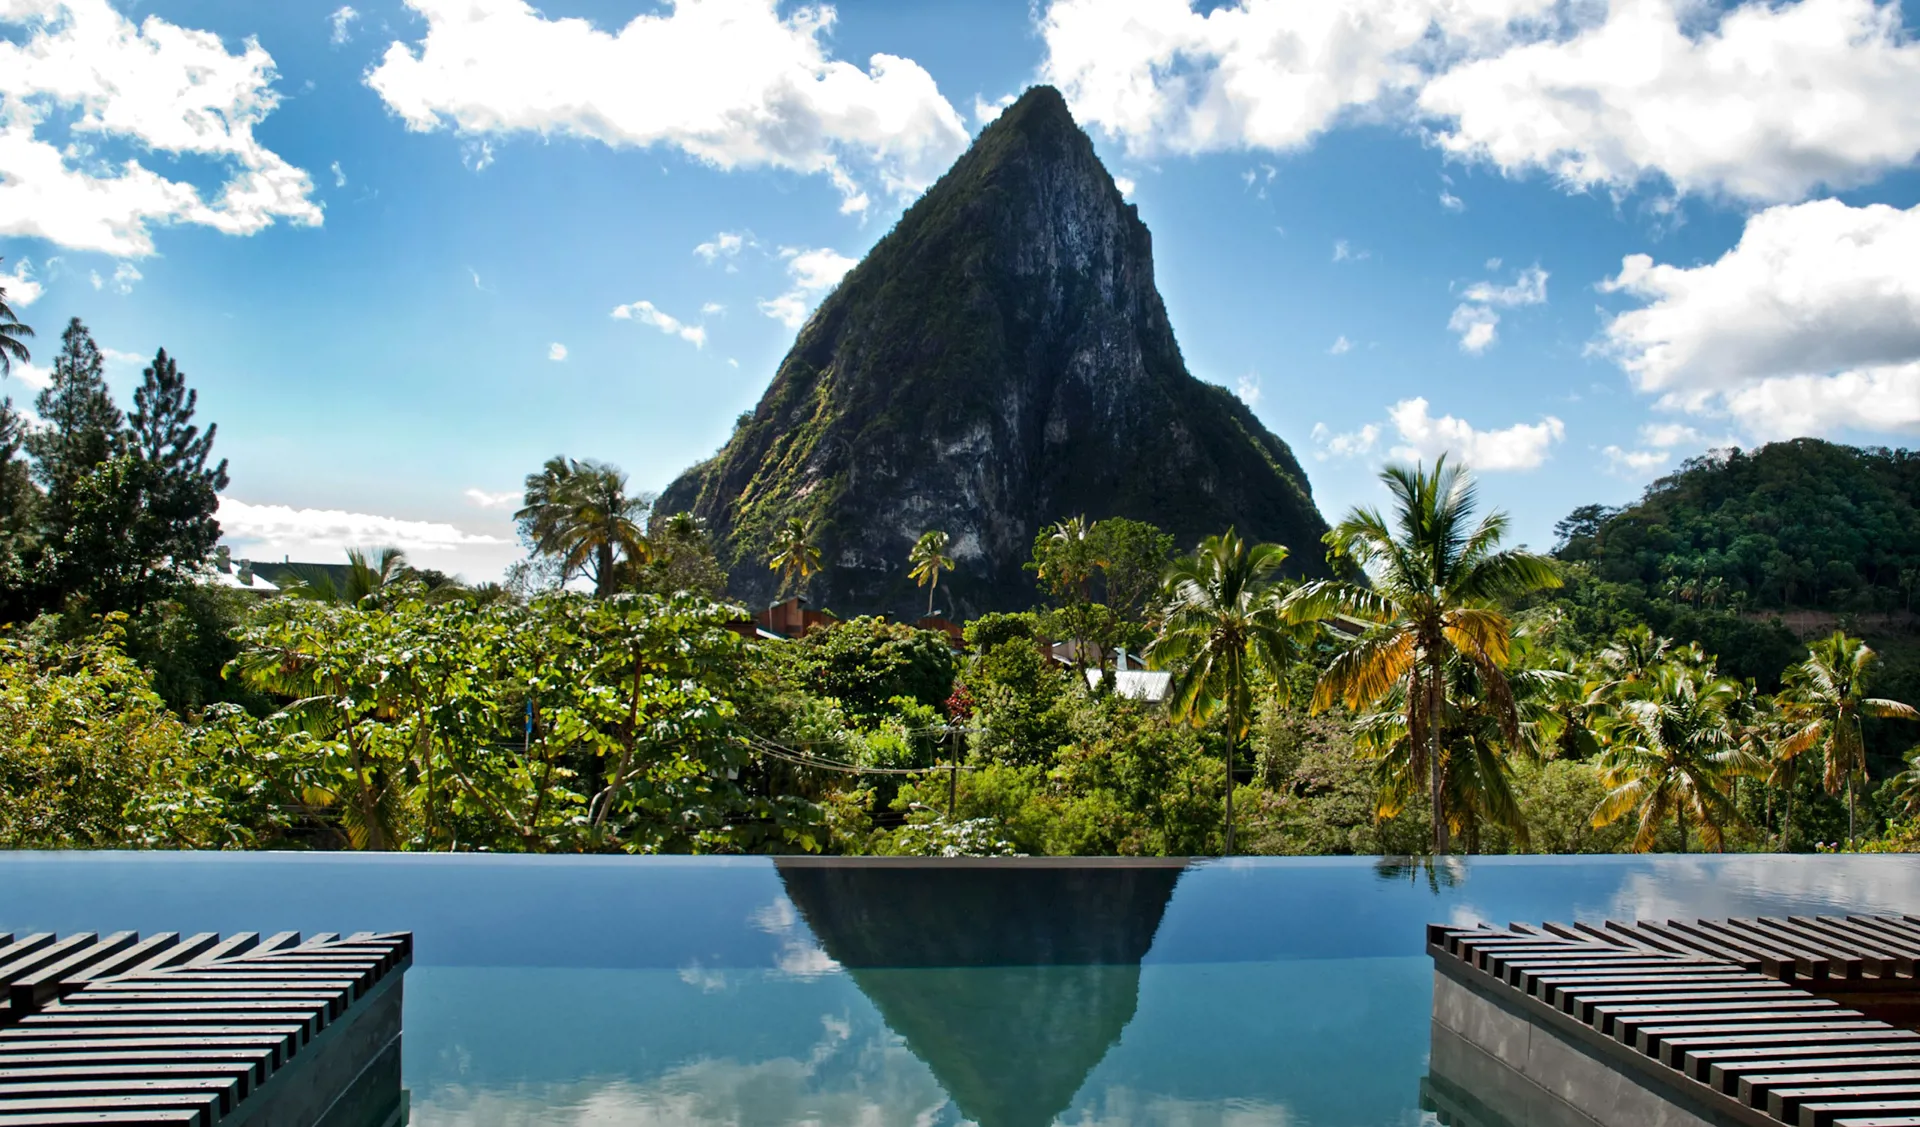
x=80, y=439
x=180, y=491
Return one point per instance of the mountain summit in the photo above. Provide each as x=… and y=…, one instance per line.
x=999, y=361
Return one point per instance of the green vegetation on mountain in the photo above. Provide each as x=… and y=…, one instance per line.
x=999, y=362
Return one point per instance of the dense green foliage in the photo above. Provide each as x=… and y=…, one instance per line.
x=1804, y=523
x=1696, y=669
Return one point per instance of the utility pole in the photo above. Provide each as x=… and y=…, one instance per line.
x=953, y=772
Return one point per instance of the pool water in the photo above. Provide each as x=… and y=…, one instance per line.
x=740, y=992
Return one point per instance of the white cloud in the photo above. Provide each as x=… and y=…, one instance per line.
x=339, y=177
x=476, y=154
x=1451, y=202
x=1475, y=319
x=729, y=82
x=486, y=500
x=1768, y=102
x=556, y=351
x=1351, y=444
x=37, y=378
x=790, y=309
x=1266, y=74
x=1125, y=184
x=315, y=533
x=814, y=271
x=1477, y=326
x=712, y=309
x=1340, y=347
x=124, y=276
x=1665, y=435
x=646, y=313
x=1343, y=252
x=1810, y=324
x=80, y=68
x=1522, y=446
x=342, y=20
x=19, y=286
x=1248, y=389
x=117, y=356
x=1634, y=463
x=726, y=244
x=984, y=112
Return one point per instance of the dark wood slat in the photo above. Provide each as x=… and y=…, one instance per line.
x=1754, y=1088
x=1681, y=1052
x=1726, y=1075
x=29, y=990
x=1824, y=1113
x=22, y=963
x=204, y=1106
x=156, y=1117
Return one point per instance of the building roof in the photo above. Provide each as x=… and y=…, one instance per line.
x=1149, y=685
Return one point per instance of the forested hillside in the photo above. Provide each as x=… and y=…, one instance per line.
x=1793, y=524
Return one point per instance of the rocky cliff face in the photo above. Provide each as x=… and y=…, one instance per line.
x=1001, y=360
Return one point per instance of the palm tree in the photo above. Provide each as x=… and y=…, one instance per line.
x=928, y=558
x=11, y=333
x=1671, y=749
x=366, y=577
x=579, y=513
x=795, y=555
x=1824, y=701
x=1223, y=624
x=1436, y=579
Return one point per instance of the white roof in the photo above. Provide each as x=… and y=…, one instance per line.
x=1149, y=685
x=214, y=577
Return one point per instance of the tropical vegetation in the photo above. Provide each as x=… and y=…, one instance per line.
x=1691, y=672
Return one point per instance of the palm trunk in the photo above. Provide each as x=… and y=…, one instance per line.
x=1786, y=808
x=1232, y=729
x=1680, y=822
x=1435, y=778
x=1849, y=813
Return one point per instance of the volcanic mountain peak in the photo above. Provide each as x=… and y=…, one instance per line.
x=999, y=361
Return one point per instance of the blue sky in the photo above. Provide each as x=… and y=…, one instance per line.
x=407, y=251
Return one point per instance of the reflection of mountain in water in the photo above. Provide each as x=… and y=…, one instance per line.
x=1011, y=981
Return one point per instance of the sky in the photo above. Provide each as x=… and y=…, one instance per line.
x=407, y=250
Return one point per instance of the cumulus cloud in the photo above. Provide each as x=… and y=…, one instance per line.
x=556, y=351
x=1475, y=319
x=1126, y=185
x=1340, y=347
x=339, y=176
x=1267, y=74
x=712, y=309
x=1522, y=446
x=647, y=313
x=1351, y=444
x=728, y=82
x=1634, y=463
x=814, y=271
x=20, y=288
x=1248, y=389
x=326, y=533
x=503, y=500
x=36, y=378
x=1768, y=102
x=80, y=80
x=342, y=21
x=1810, y=324
x=1343, y=252
x=727, y=244
x=1451, y=202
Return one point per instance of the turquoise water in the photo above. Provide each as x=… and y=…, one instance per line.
x=709, y=992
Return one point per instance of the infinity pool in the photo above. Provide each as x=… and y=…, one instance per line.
x=741, y=992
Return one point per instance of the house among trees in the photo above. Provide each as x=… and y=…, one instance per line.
x=225, y=571
x=793, y=618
